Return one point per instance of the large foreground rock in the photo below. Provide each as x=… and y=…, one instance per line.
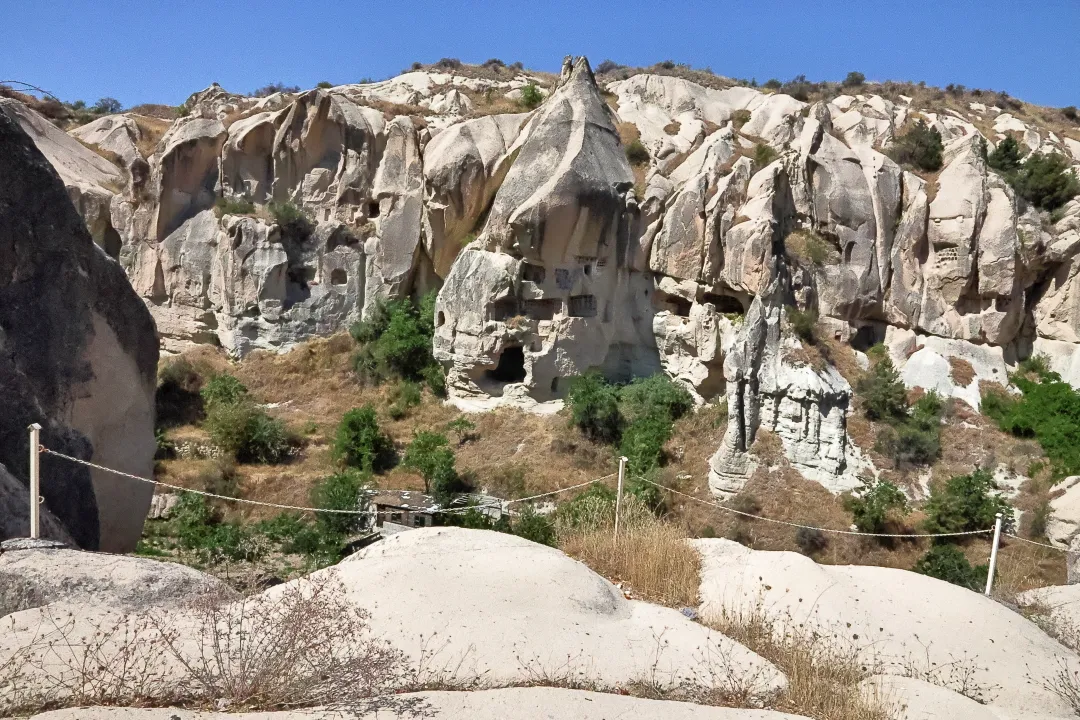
x=508, y=610
x=79, y=356
x=33, y=578
x=901, y=621
x=523, y=703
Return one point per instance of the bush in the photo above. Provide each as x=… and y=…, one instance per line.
x=643, y=443
x=430, y=455
x=223, y=389
x=177, y=399
x=872, y=504
x=494, y=63
x=803, y=323
x=920, y=147
x=359, y=443
x=799, y=88
x=1048, y=410
x=234, y=206
x=764, y=155
x=342, y=491
x=291, y=219
x=1006, y=156
x=740, y=117
x=773, y=84
x=883, y=394
x=405, y=396
x=245, y=431
x=655, y=393
x=448, y=63
x=947, y=562
x=531, y=525
x=278, y=87
x=462, y=427
x=1070, y=113
x=107, y=106
x=810, y=540
x=198, y=527
x=594, y=407
x=395, y=341
x=531, y=97
x=854, y=79
x=636, y=153
x=324, y=84
x=1046, y=181
x=607, y=66
x=965, y=503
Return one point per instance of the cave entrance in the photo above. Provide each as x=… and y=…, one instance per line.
x=511, y=367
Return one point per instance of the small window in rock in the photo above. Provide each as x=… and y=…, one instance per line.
x=373, y=209
x=440, y=319
x=533, y=273
x=582, y=306
x=555, y=384
x=539, y=309
x=563, y=278
x=588, y=270
x=338, y=277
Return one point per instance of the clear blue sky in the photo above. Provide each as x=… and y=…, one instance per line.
x=161, y=51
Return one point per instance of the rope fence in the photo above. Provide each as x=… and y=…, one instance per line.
x=38, y=449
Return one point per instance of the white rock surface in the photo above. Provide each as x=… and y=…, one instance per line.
x=532, y=703
x=899, y=619
x=913, y=699
x=1063, y=526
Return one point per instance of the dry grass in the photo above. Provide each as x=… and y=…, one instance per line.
x=823, y=672
x=651, y=557
x=107, y=154
x=673, y=127
x=151, y=130
x=961, y=371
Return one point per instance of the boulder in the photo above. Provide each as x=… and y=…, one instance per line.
x=901, y=622
x=523, y=703
x=954, y=368
x=80, y=355
x=506, y=609
x=116, y=134
x=1063, y=525
x=34, y=578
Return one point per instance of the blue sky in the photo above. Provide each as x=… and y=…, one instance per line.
x=155, y=51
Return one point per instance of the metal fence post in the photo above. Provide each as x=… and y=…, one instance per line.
x=618, y=495
x=993, y=556
x=35, y=481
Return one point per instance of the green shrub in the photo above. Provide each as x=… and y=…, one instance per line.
x=395, y=341
x=803, y=323
x=291, y=219
x=872, y=503
x=764, y=155
x=1047, y=181
x=1006, y=156
x=246, y=432
x=324, y=84
x=947, y=562
x=430, y=455
x=360, y=443
x=810, y=540
x=199, y=528
x=531, y=525
x=773, y=84
x=920, y=147
x=342, y=491
x=531, y=97
x=854, y=79
x=234, y=206
x=965, y=503
x=907, y=445
x=1048, y=411
x=594, y=407
x=1069, y=111
x=405, y=396
x=636, y=153
x=223, y=389
x=462, y=427
x=883, y=394
x=583, y=510
x=643, y=442
x=656, y=393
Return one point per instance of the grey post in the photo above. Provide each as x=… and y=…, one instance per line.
x=35, y=481
x=618, y=495
x=993, y=556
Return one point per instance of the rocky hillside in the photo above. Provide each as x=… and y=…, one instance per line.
x=636, y=222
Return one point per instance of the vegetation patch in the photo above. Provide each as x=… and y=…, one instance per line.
x=920, y=148
x=912, y=435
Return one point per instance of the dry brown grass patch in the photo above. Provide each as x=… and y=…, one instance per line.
x=673, y=127
x=628, y=132
x=961, y=372
x=151, y=130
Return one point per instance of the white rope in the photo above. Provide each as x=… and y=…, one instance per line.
x=279, y=506
x=1032, y=542
x=811, y=527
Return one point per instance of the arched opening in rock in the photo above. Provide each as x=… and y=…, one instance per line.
x=373, y=209
x=112, y=243
x=724, y=304
x=511, y=367
x=338, y=277
x=440, y=319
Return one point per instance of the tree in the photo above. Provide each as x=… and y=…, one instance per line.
x=359, y=443
x=531, y=97
x=1006, y=156
x=872, y=503
x=594, y=407
x=1046, y=181
x=883, y=394
x=948, y=563
x=107, y=106
x=920, y=147
x=965, y=503
x=341, y=491
x=643, y=442
x=430, y=455
x=655, y=393
x=854, y=79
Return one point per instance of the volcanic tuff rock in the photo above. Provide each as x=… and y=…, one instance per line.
x=79, y=357
x=554, y=255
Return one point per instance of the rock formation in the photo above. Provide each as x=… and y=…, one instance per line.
x=80, y=355
x=554, y=255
